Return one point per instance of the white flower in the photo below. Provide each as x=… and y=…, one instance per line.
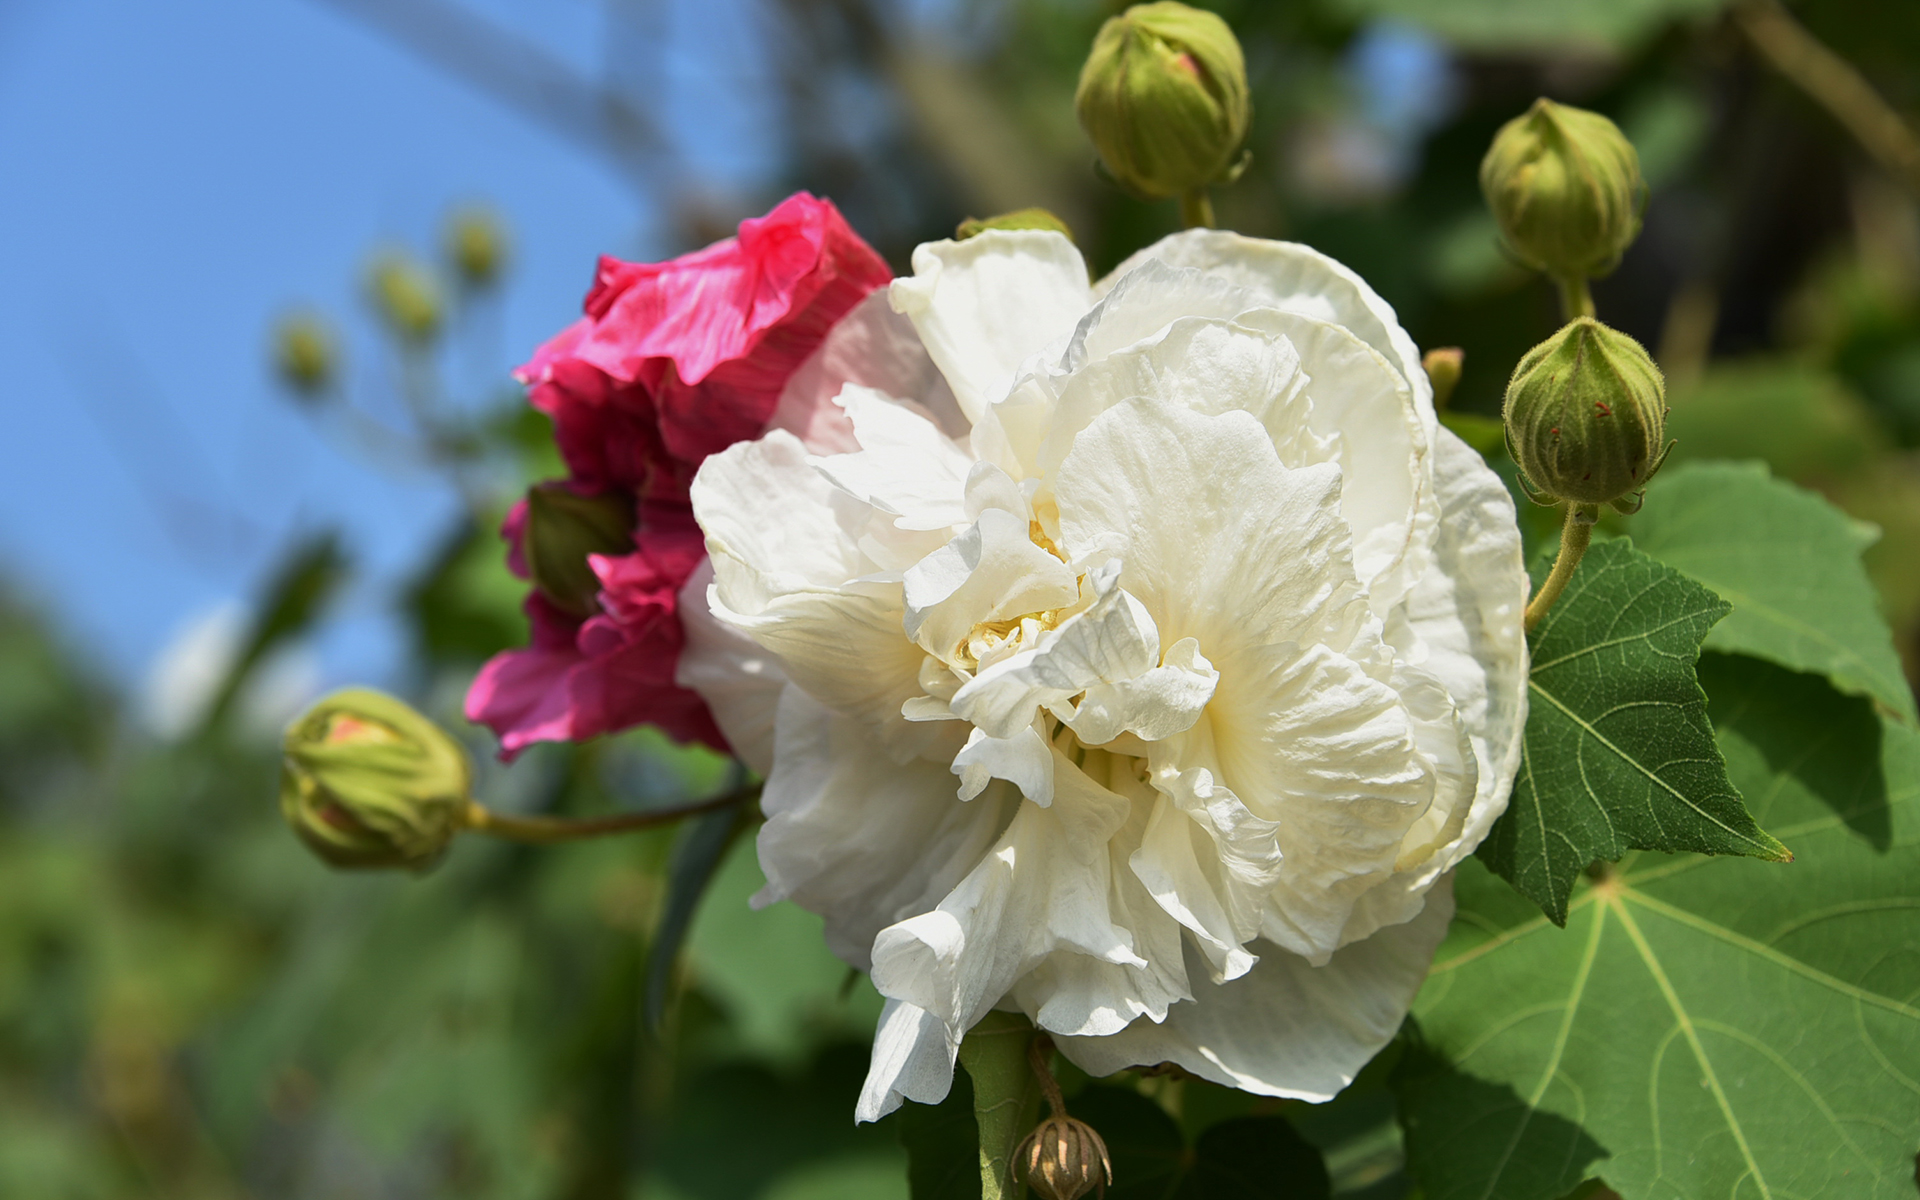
x=1144, y=664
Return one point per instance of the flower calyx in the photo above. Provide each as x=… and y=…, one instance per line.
x=563, y=529
x=1022, y=218
x=369, y=782
x=1163, y=96
x=1586, y=417
x=1565, y=186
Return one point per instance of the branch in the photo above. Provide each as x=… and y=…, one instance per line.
x=1834, y=84
x=524, y=77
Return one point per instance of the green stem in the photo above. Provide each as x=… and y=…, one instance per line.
x=1196, y=209
x=1006, y=1096
x=1574, y=537
x=545, y=830
x=1576, y=298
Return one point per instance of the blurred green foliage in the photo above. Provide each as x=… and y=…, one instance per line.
x=190, y=1006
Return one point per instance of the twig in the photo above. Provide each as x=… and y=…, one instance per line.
x=1834, y=84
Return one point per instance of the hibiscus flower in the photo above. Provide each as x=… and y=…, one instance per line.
x=671, y=362
x=1144, y=664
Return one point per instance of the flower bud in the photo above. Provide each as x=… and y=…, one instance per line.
x=1565, y=186
x=366, y=781
x=1025, y=218
x=1443, y=368
x=1063, y=1159
x=564, y=527
x=1163, y=95
x=304, y=355
x=476, y=248
x=1586, y=416
x=405, y=298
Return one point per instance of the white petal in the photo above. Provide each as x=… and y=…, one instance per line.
x=1361, y=406
x=1463, y=623
x=1024, y=760
x=738, y=678
x=992, y=571
x=905, y=466
x=1043, y=888
x=1216, y=538
x=1298, y=279
x=1210, y=863
x=773, y=525
x=875, y=347
x=1209, y=366
x=858, y=839
x=912, y=1060
x=1287, y=1028
x=1308, y=739
x=1153, y=705
x=983, y=305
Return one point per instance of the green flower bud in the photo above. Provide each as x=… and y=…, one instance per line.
x=1163, y=95
x=368, y=782
x=405, y=298
x=1565, y=186
x=562, y=529
x=476, y=248
x=304, y=355
x=1586, y=416
x=1025, y=218
x=1063, y=1159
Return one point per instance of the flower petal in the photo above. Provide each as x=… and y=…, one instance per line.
x=983, y=305
x=1287, y=1028
x=738, y=678
x=858, y=839
x=874, y=347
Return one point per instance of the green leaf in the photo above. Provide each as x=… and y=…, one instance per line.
x=1618, y=753
x=1536, y=24
x=942, y=1143
x=1712, y=1027
x=1788, y=562
x=1241, y=1158
x=695, y=859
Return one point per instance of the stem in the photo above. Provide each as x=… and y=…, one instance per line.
x=1574, y=536
x=1196, y=209
x=1039, y=1057
x=1576, y=298
x=1006, y=1105
x=545, y=830
x=1834, y=84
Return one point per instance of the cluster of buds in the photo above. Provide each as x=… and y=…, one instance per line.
x=1164, y=98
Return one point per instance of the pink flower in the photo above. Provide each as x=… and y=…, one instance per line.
x=672, y=362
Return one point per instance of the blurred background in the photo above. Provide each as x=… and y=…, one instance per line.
x=265, y=268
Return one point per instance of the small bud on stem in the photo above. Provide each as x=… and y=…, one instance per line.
x=1443, y=372
x=1063, y=1159
x=1565, y=186
x=1163, y=96
x=368, y=782
x=1586, y=419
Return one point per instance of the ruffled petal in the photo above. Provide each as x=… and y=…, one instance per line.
x=1287, y=1028
x=983, y=305
x=858, y=839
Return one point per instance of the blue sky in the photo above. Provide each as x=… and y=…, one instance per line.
x=177, y=175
